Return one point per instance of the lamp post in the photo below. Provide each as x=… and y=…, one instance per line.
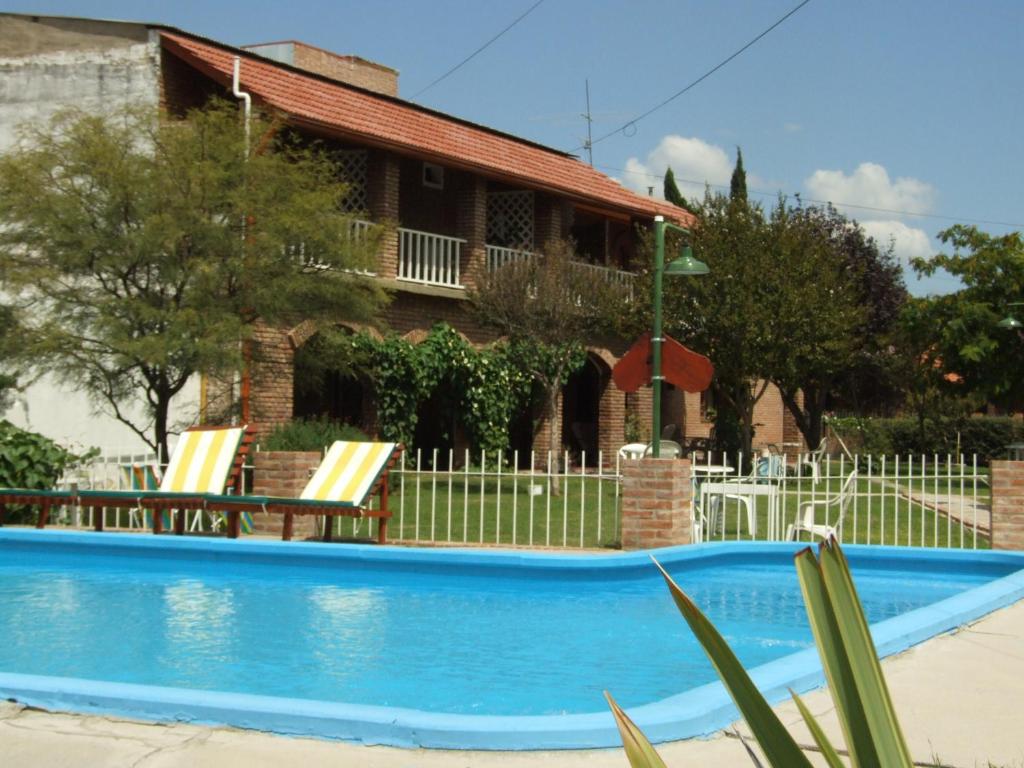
x=685, y=265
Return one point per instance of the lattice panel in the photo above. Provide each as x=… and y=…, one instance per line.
x=510, y=219
x=353, y=172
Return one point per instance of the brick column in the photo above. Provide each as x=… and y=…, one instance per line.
x=382, y=177
x=471, y=225
x=552, y=220
x=656, y=509
x=285, y=474
x=1008, y=505
x=273, y=373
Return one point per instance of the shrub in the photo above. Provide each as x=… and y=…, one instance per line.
x=986, y=436
x=310, y=435
x=30, y=460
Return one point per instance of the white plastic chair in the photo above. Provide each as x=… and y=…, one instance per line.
x=813, y=459
x=669, y=449
x=805, y=514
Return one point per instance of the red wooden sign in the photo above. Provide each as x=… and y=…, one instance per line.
x=680, y=366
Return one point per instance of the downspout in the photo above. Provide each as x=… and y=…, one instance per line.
x=245, y=383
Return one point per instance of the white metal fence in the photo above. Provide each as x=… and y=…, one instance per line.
x=502, y=498
x=925, y=501
x=543, y=500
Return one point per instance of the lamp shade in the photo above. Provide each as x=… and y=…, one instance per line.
x=1010, y=322
x=687, y=264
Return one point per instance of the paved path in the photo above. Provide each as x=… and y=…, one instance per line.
x=960, y=699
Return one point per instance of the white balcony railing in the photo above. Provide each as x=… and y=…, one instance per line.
x=498, y=257
x=424, y=257
x=357, y=234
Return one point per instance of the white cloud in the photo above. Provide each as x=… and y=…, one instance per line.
x=908, y=242
x=694, y=162
x=871, y=186
x=792, y=127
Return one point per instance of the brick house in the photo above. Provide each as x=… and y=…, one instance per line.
x=462, y=198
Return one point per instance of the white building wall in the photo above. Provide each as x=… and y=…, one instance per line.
x=99, y=73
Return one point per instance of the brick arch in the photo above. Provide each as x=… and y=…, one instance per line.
x=305, y=330
x=604, y=355
x=419, y=335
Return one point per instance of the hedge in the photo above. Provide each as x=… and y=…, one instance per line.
x=986, y=436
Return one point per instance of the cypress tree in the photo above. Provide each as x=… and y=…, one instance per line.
x=672, y=193
x=738, y=182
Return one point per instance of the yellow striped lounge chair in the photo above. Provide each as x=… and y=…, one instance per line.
x=205, y=460
x=347, y=478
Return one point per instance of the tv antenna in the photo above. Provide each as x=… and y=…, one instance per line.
x=588, y=144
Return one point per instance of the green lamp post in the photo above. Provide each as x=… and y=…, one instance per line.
x=685, y=265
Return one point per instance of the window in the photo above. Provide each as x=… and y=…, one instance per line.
x=433, y=176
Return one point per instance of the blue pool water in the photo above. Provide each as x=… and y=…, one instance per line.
x=440, y=632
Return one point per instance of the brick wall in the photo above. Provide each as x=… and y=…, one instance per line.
x=285, y=474
x=348, y=69
x=1008, y=504
x=656, y=503
x=272, y=377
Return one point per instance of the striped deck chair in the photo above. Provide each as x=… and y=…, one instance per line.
x=347, y=478
x=143, y=477
x=205, y=460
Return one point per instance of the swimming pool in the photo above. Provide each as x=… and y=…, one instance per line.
x=435, y=648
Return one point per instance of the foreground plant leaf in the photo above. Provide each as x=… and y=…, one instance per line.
x=827, y=750
x=778, y=745
x=885, y=732
x=638, y=749
x=835, y=660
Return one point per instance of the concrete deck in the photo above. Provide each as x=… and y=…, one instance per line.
x=959, y=697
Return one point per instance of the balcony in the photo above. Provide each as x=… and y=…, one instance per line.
x=498, y=257
x=429, y=259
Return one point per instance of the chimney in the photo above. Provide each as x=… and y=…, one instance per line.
x=348, y=69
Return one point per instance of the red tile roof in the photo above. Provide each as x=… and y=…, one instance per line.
x=405, y=127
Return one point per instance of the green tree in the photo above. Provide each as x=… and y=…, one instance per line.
x=818, y=316
x=738, y=182
x=672, y=193
x=549, y=306
x=967, y=337
x=144, y=249
x=726, y=313
x=10, y=341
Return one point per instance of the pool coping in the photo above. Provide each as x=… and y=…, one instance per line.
x=697, y=712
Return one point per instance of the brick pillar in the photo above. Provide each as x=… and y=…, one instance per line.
x=611, y=419
x=382, y=177
x=544, y=426
x=471, y=225
x=656, y=508
x=284, y=474
x=273, y=372
x=1007, y=504
x=552, y=220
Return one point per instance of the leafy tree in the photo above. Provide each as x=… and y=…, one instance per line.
x=672, y=193
x=738, y=181
x=967, y=338
x=838, y=299
x=143, y=249
x=725, y=314
x=549, y=307
x=9, y=343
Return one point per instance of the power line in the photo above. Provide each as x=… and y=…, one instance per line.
x=466, y=60
x=699, y=80
x=827, y=202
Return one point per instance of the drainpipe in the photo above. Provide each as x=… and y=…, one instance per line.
x=245, y=385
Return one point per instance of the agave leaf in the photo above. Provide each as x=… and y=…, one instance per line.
x=835, y=660
x=779, y=747
x=639, y=751
x=860, y=648
x=827, y=750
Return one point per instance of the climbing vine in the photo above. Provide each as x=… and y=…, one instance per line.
x=488, y=384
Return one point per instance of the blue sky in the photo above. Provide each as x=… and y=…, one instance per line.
x=912, y=106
